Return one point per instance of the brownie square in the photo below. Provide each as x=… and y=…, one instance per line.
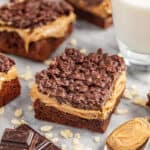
x=9, y=83
x=25, y=138
x=80, y=90
x=34, y=29
x=98, y=12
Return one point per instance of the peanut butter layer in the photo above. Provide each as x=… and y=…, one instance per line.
x=8, y=76
x=55, y=29
x=102, y=9
x=87, y=114
x=130, y=136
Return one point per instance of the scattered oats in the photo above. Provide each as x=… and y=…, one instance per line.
x=97, y=139
x=77, y=135
x=15, y=122
x=30, y=107
x=83, y=50
x=49, y=135
x=23, y=121
x=134, y=91
x=139, y=101
x=121, y=111
x=48, y=62
x=127, y=94
x=66, y=134
x=2, y=110
x=73, y=42
x=54, y=140
x=78, y=147
x=63, y=147
x=46, y=128
x=27, y=75
x=119, y=54
x=75, y=141
x=30, y=84
x=18, y=113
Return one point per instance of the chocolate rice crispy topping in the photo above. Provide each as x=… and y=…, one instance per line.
x=5, y=63
x=82, y=81
x=33, y=13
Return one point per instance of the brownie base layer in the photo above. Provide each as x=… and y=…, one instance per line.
x=51, y=114
x=97, y=20
x=11, y=42
x=9, y=91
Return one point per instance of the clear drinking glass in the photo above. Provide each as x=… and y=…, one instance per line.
x=132, y=26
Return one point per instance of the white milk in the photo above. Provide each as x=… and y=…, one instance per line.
x=132, y=24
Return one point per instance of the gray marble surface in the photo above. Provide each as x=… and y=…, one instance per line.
x=90, y=37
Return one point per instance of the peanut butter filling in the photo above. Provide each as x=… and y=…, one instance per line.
x=87, y=114
x=102, y=10
x=130, y=136
x=10, y=75
x=56, y=29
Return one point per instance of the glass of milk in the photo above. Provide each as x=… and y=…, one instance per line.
x=132, y=26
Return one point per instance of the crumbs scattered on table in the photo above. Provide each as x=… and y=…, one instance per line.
x=66, y=133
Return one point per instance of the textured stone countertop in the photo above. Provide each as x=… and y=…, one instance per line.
x=91, y=38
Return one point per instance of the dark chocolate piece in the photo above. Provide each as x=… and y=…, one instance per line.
x=5, y=63
x=33, y=13
x=25, y=138
x=20, y=138
x=82, y=81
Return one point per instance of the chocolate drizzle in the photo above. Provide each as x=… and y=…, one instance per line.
x=33, y=13
x=83, y=81
x=5, y=63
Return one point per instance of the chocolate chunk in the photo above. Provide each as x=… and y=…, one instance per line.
x=5, y=63
x=18, y=137
x=83, y=81
x=10, y=147
x=25, y=138
x=33, y=13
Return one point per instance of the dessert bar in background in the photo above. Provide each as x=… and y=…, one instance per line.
x=25, y=138
x=35, y=28
x=80, y=90
x=131, y=135
x=95, y=11
x=9, y=83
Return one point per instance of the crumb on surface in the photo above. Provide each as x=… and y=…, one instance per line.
x=97, y=139
x=139, y=101
x=18, y=112
x=2, y=110
x=46, y=128
x=73, y=42
x=27, y=75
x=122, y=111
x=66, y=133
